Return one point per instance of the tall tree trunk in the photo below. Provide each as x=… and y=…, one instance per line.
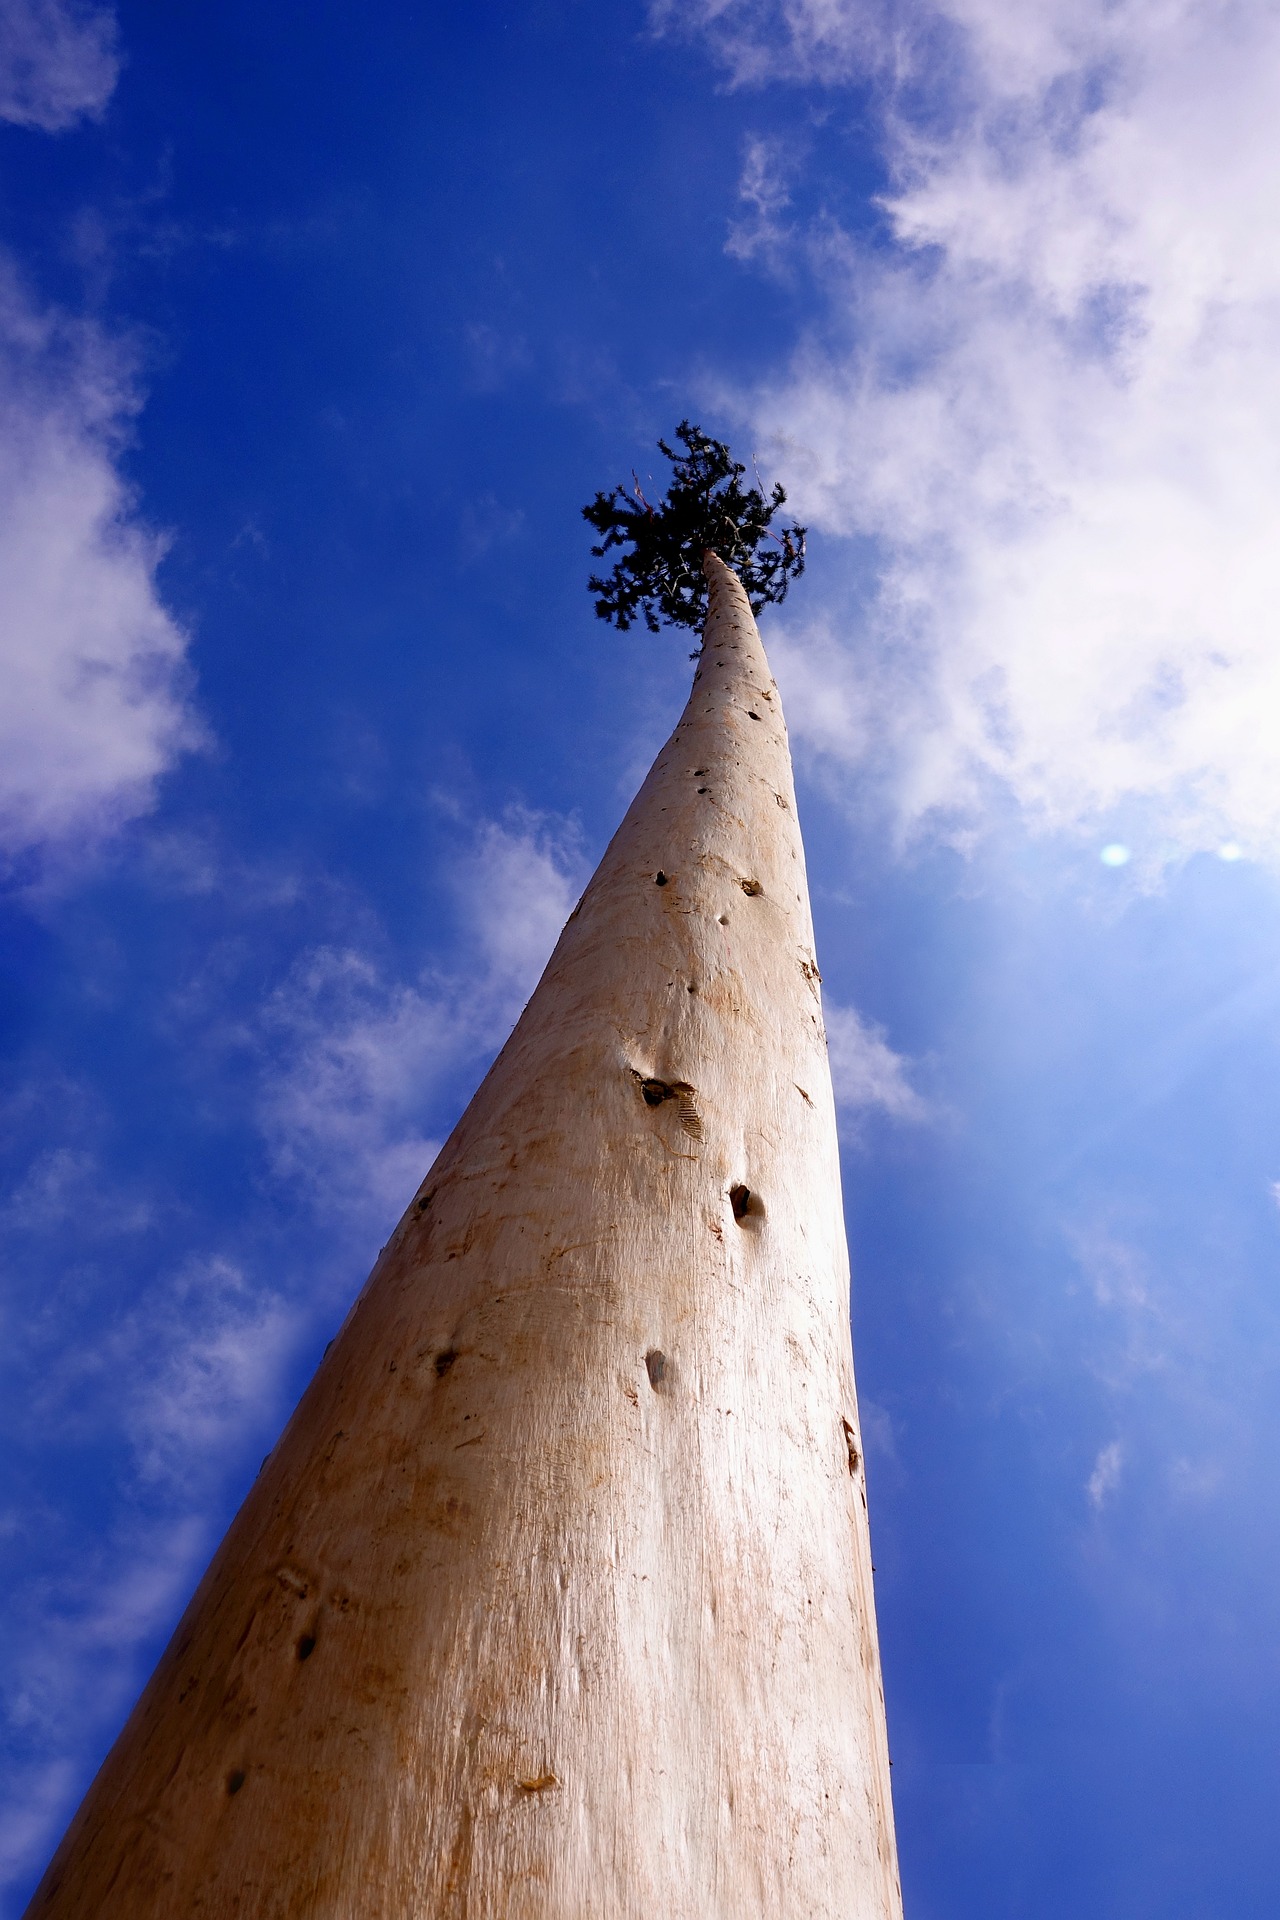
x=554, y=1600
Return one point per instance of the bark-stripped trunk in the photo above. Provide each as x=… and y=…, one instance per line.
x=554, y=1600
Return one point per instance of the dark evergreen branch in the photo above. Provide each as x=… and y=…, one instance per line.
x=706, y=505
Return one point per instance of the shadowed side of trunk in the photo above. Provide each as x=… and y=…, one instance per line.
x=554, y=1599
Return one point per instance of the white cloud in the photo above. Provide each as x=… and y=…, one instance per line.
x=865, y=1071
x=518, y=888
x=58, y=62
x=92, y=706
x=73, y=1661
x=831, y=701
x=1115, y=1269
x=355, y=1059
x=1105, y=1478
x=213, y=1352
x=359, y=1059
x=1142, y=1326
x=758, y=41
x=192, y=1364
x=43, y=1198
x=1049, y=404
x=760, y=230
x=34, y=1811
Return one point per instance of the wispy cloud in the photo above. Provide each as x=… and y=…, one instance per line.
x=93, y=701
x=162, y=1380
x=1047, y=404
x=217, y=1350
x=93, y=686
x=761, y=230
x=58, y=62
x=517, y=888
x=866, y=1072
x=71, y=1662
x=359, y=1058
x=762, y=41
x=1168, y=1372
x=1105, y=1478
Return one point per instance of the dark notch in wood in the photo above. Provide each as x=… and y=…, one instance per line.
x=744, y=1202
x=655, y=1362
x=654, y=1092
x=235, y=1780
x=444, y=1360
x=659, y=879
x=851, y=1444
x=751, y=888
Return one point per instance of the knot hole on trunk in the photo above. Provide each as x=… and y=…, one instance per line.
x=654, y=1092
x=746, y=1204
x=655, y=1362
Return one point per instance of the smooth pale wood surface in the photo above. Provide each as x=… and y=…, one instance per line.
x=521, y=1620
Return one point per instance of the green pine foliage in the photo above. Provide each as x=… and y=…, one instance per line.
x=661, y=577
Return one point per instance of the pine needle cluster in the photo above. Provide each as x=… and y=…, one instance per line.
x=706, y=506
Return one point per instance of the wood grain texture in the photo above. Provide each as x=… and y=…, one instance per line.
x=554, y=1600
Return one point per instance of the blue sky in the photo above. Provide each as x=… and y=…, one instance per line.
x=317, y=327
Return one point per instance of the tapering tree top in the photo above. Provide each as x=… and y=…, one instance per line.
x=705, y=507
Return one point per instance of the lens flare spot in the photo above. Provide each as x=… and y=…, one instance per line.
x=1115, y=855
